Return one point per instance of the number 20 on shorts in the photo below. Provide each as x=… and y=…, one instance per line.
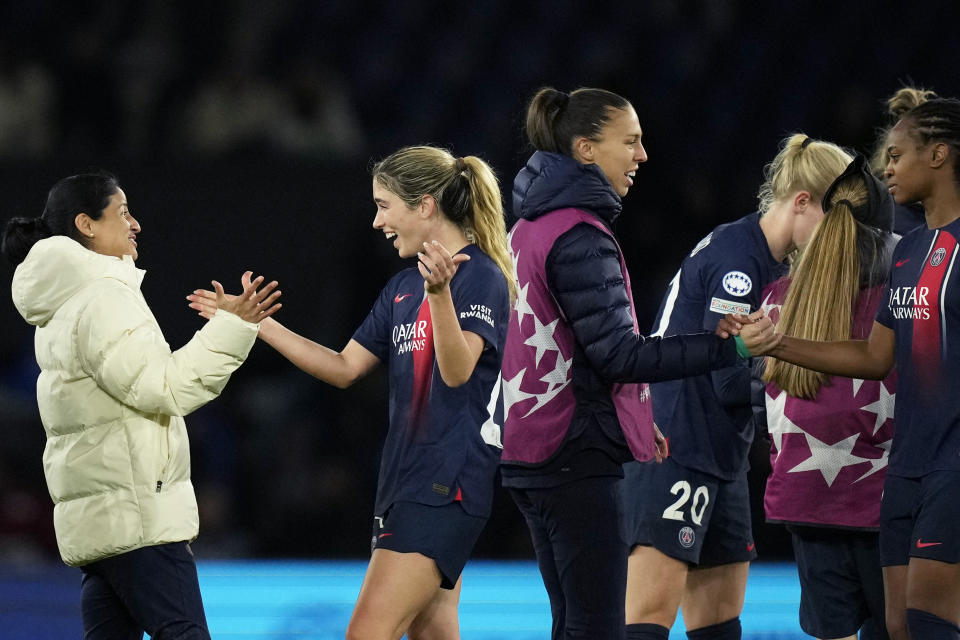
x=701, y=498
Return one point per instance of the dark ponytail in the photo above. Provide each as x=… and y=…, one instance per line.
x=85, y=193
x=20, y=235
x=555, y=119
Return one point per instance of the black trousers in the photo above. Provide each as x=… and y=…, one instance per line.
x=578, y=534
x=153, y=589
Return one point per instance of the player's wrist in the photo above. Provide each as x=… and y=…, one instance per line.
x=436, y=290
x=742, y=349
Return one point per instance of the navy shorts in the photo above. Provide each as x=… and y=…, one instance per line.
x=446, y=534
x=919, y=518
x=841, y=583
x=688, y=515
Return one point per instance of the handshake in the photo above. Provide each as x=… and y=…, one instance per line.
x=754, y=333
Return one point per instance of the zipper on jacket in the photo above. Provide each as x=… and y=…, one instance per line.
x=163, y=471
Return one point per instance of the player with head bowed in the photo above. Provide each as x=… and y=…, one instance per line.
x=689, y=525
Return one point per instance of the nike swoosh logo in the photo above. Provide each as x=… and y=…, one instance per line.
x=750, y=547
x=924, y=545
x=384, y=535
x=399, y=297
x=900, y=263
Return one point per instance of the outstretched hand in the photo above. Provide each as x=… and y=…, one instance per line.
x=437, y=266
x=252, y=305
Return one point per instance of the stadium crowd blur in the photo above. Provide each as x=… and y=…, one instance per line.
x=242, y=132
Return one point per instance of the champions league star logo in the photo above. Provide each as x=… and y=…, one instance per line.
x=938, y=257
x=737, y=283
x=687, y=537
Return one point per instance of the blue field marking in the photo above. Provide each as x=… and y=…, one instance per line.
x=313, y=599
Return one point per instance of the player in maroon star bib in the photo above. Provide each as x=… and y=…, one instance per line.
x=830, y=436
x=918, y=328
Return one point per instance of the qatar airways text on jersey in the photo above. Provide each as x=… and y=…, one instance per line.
x=909, y=303
x=411, y=336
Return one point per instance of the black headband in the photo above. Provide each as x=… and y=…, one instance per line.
x=877, y=211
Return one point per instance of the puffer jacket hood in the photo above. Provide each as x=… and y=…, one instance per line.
x=57, y=268
x=552, y=181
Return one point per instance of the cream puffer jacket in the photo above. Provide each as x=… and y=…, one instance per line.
x=112, y=397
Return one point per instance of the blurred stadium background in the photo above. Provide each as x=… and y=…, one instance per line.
x=243, y=130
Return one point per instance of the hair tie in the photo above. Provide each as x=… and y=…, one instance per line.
x=844, y=201
x=807, y=141
x=460, y=166
x=560, y=101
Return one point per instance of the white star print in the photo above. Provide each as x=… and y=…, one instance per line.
x=857, y=383
x=545, y=397
x=512, y=393
x=777, y=421
x=542, y=338
x=521, y=306
x=883, y=407
x=829, y=459
x=767, y=306
x=876, y=464
x=543, y=341
x=559, y=373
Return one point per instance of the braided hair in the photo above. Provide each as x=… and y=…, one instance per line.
x=937, y=120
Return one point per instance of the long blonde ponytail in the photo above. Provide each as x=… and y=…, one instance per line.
x=823, y=289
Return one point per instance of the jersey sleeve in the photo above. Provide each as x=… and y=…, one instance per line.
x=373, y=334
x=482, y=302
x=731, y=284
x=732, y=281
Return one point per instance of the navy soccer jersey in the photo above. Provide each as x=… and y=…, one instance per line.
x=923, y=310
x=443, y=444
x=708, y=418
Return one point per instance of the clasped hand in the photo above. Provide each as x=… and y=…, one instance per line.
x=756, y=330
x=760, y=336
x=732, y=323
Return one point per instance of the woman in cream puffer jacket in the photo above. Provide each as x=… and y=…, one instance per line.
x=111, y=394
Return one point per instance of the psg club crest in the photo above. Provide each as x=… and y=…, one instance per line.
x=938, y=257
x=737, y=283
x=687, y=537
